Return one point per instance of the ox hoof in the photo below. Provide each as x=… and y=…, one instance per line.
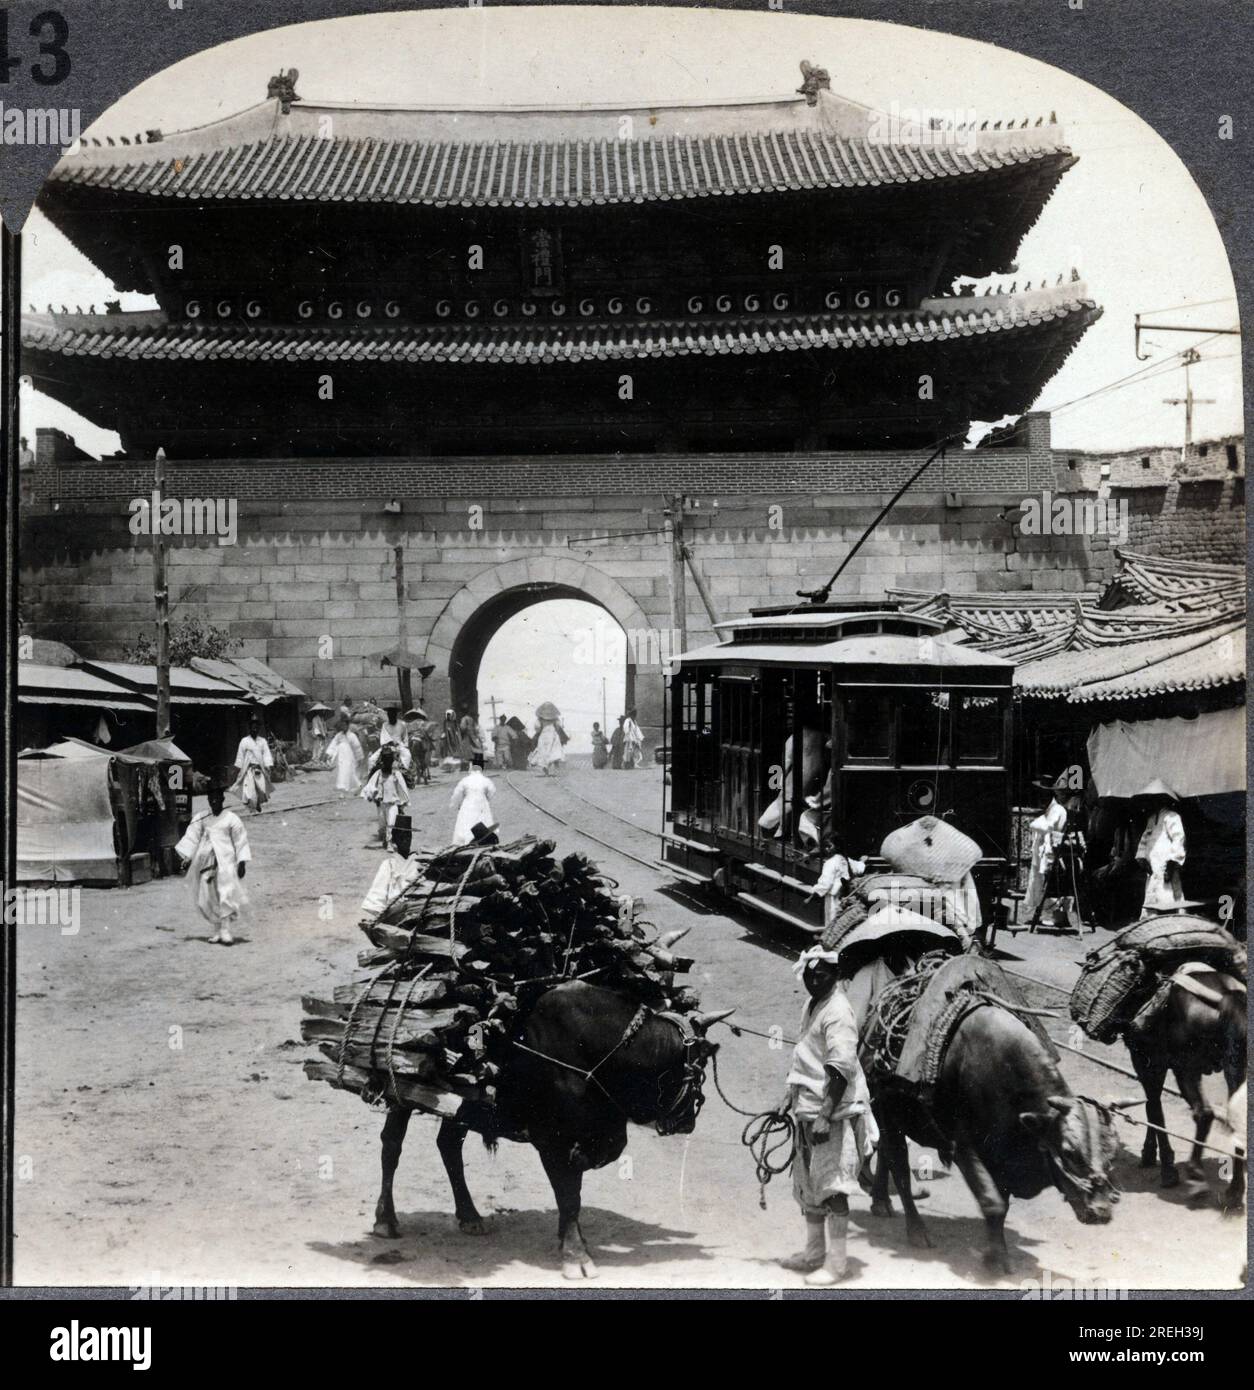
x=917, y=1235
x=386, y=1230
x=997, y=1262
x=1232, y=1203
x=882, y=1208
x=579, y=1269
x=1171, y=1176
x=472, y=1225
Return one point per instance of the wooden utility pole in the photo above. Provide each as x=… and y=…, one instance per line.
x=402, y=633
x=161, y=597
x=493, y=702
x=674, y=515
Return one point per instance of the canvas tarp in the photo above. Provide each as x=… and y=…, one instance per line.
x=65, y=819
x=1194, y=757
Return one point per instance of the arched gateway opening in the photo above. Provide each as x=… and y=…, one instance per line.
x=477, y=612
x=559, y=648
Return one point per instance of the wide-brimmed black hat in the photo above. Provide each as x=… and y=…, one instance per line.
x=1062, y=785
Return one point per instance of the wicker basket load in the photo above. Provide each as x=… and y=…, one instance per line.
x=851, y=913
x=1184, y=936
x=1108, y=991
x=1121, y=975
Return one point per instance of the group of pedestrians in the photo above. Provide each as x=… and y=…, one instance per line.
x=624, y=749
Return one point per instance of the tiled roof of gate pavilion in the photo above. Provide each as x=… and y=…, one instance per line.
x=1063, y=311
x=542, y=157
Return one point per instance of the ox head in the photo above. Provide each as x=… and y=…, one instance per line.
x=1077, y=1137
x=680, y=1094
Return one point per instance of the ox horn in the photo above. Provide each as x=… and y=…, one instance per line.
x=702, y=1023
x=1062, y=1103
x=671, y=937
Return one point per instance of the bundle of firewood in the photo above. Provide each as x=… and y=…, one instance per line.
x=460, y=954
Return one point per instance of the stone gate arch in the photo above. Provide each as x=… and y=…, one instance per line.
x=473, y=615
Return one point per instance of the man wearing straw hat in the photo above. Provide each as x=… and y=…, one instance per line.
x=835, y=1131
x=1161, y=849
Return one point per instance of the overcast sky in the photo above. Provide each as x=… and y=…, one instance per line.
x=1128, y=216
x=562, y=650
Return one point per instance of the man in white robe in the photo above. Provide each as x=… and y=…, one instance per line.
x=1161, y=849
x=344, y=754
x=472, y=800
x=215, y=849
x=253, y=762
x=633, y=742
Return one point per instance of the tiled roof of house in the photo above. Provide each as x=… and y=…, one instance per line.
x=1187, y=660
x=1187, y=585
x=1190, y=635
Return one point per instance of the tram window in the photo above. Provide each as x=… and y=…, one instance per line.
x=868, y=726
x=923, y=728
x=979, y=729
x=689, y=708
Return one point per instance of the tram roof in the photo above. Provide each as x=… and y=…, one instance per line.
x=869, y=649
x=826, y=619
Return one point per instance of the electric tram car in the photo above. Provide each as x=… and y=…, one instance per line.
x=825, y=728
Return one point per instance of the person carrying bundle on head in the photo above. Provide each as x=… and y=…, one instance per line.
x=547, y=755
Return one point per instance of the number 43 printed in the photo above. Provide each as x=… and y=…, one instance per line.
x=52, y=29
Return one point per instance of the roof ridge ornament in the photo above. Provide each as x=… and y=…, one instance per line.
x=813, y=81
x=282, y=87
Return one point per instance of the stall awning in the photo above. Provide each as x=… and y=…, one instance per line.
x=187, y=687
x=250, y=675
x=40, y=684
x=1195, y=757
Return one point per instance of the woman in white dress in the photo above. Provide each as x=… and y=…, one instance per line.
x=344, y=754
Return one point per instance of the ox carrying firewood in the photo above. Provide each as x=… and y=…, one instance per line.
x=521, y=998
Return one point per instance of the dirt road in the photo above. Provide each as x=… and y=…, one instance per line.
x=166, y=1131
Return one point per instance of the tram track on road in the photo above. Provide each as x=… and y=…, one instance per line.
x=579, y=830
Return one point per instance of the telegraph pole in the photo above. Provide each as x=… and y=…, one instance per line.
x=1189, y=400
x=674, y=522
x=161, y=596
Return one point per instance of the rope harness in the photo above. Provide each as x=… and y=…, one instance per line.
x=678, y=1115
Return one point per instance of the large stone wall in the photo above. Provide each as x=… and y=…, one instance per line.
x=310, y=586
